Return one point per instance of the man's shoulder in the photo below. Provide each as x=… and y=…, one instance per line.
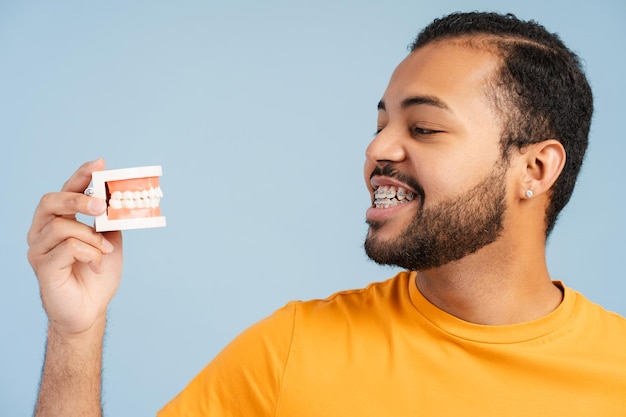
x=373, y=306
x=597, y=319
x=389, y=290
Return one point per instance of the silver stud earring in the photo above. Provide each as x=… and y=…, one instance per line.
x=529, y=193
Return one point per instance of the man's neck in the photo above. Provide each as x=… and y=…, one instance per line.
x=485, y=288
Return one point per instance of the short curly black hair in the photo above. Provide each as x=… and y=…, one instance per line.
x=540, y=91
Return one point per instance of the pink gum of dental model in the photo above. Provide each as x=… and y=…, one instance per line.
x=132, y=195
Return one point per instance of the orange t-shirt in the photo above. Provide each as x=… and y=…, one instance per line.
x=386, y=351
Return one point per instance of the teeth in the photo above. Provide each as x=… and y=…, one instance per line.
x=136, y=199
x=388, y=196
x=115, y=203
x=128, y=203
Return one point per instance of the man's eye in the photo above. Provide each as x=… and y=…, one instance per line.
x=419, y=131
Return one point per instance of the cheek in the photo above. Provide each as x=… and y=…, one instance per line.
x=446, y=177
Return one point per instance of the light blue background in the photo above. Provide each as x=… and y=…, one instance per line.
x=259, y=113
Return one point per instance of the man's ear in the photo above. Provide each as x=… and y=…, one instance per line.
x=544, y=163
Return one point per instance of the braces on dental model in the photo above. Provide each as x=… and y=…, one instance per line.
x=133, y=198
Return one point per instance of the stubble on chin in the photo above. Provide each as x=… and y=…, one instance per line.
x=445, y=232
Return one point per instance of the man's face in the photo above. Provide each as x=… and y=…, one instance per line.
x=434, y=170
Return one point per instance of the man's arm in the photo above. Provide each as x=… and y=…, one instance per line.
x=71, y=377
x=78, y=271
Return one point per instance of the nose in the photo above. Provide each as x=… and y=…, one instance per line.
x=386, y=146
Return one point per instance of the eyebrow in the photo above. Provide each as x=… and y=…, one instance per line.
x=418, y=100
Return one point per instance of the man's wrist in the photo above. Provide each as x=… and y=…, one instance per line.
x=88, y=336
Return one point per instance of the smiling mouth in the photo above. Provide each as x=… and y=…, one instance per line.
x=387, y=196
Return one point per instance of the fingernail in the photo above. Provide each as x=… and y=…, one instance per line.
x=107, y=246
x=96, y=205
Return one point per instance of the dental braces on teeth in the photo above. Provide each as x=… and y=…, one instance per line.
x=390, y=196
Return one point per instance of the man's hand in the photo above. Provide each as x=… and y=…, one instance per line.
x=79, y=271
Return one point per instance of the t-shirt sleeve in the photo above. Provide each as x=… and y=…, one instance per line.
x=245, y=378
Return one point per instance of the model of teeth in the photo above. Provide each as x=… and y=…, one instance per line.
x=133, y=197
x=390, y=196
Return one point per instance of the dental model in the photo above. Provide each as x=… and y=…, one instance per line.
x=133, y=198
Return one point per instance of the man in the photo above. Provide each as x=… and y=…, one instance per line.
x=481, y=134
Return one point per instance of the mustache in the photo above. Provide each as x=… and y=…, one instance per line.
x=388, y=169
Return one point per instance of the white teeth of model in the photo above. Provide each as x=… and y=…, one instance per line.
x=115, y=203
x=136, y=199
x=391, y=192
x=380, y=192
x=128, y=203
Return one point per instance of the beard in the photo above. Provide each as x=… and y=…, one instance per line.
x=447, y=232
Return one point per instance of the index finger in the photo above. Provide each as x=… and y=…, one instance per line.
x=70, y=201
x=63, y=204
